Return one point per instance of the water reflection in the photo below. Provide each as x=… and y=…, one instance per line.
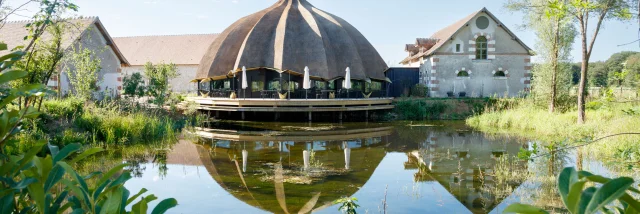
x=292, y=168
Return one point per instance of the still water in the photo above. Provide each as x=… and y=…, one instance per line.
x=302, y=168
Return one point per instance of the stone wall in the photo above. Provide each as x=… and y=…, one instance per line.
x=109, y=79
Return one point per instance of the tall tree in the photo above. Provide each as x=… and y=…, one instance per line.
x=555, y=38
x=602, y=10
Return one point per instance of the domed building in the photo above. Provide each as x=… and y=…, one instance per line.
x=276, y=44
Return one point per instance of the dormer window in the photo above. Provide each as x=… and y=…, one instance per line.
x=481, y=47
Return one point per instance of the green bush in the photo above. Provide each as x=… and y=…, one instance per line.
x=115, y=127
x=417, y=109
x=419, y=90
x=64, y=108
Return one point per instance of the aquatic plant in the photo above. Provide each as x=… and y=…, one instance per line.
x=347, y=205
x=579, y=197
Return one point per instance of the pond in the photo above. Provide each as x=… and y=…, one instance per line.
x=301, y=168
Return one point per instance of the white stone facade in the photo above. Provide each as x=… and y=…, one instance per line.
x=453, y=69
x=109, y=78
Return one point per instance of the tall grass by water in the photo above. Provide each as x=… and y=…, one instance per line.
x=109, y=123
x=603, y=119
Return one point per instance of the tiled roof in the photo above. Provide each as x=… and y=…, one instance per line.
x=448, y=32
x=177, y=49
x=13, y=33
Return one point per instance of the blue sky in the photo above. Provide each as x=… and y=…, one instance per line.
x=388, y=24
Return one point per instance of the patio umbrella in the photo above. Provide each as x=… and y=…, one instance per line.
x=347, y=81
x=306, y=82
x=245, y=84
x=245, y=155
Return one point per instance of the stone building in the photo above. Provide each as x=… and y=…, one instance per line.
x=79, y=33
x=477, y=56
x=185, y=51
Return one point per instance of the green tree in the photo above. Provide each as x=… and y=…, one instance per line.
x=83, y=67
x=158, y=77
x=555, y=37
x=598, y=74
x=582, y=11
x=133, y=85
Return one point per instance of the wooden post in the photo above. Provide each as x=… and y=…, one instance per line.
x=340, y=117
x=243, y=115
x=310, y=117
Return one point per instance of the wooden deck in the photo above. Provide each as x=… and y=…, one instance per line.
x=333, y=135
x=293, y=105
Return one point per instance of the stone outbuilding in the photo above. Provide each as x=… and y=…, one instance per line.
x=84, y=32
x=477, y=56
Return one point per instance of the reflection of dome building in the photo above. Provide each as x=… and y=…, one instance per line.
x=248, y=169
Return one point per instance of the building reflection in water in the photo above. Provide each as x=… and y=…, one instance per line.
x=304, y=171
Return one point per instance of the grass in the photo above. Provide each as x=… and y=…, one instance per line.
x=111, y=123
x=603, y=119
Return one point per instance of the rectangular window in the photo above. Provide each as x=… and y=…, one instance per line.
x=227, y=84
x=457, y=48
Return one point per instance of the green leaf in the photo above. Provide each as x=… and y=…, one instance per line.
x=567, y=178
x=14, y=56
x=632, y=202
x=3, y=47
x=524, y=209
x=54, y=177
x=66, y=151
x=600, y=179
x=77, y=192
x=113, y=202
x=134, y=197
x=110, y=173
x=143, y=205
x=85, y=154
x=608, y=193
x=37, y=193
x=53, y=149
x=6, y=203
x=585, y=199
x=24, y=183
x=165, y=205
x=574, y=196
x=8, y=76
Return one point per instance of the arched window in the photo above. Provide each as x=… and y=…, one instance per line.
x=481, y=47
x=500, y=74
x=463, y=74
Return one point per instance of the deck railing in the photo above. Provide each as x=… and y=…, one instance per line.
x=296, y=94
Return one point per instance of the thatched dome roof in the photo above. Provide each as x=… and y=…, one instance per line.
x=288, y=36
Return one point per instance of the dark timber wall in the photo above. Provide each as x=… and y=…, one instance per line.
x=402, y=80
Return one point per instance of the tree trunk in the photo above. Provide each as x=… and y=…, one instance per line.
x=582, y=92
x=554, y=61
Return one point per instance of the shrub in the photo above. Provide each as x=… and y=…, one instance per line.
x=419, y=90
x=114, y=126
x=64, y=108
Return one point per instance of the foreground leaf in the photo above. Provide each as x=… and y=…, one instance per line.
x=608, y=193
x=165, y=205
